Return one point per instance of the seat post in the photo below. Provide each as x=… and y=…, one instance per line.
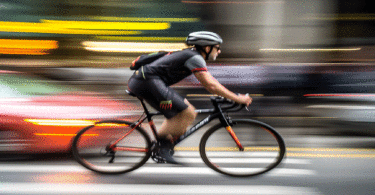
x=146, y=110
x=143, y=104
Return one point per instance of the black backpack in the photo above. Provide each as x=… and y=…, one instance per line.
x=147, y=59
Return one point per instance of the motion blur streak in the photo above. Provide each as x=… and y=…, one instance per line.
x=146, y=19
x=331, y=155
x=209, y=95
x=304, y=152
x=108, y=25
x=150, y=39
x=131, y=46
x=332, y=149
x=339, y=95
x=29, y=27
x=59, y=134
x=310, y=50
x=64, y=122
x=347, y=17
x=27, y=47
x=71, y=123
x=82, y=27
x=231, y=2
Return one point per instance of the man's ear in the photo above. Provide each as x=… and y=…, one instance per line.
x=206, y=48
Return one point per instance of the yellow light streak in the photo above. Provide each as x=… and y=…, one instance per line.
x=111, y=125
x=82, y=27
x=149, y=39
x=71, y=123
x=131, y=47
x=18, y=51
x=89, y=25
x=108, y=18
x=27, y=47
x=30, y=44
x=61, y=122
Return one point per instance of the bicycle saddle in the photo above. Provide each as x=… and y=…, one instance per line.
x=131, y=93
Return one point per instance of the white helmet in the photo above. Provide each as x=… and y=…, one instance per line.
x=203, y=38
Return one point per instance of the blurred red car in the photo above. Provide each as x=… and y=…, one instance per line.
x=42, y=116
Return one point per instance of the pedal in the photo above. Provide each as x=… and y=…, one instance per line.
x=155, y=153
x=158, y=159
x=155, y=156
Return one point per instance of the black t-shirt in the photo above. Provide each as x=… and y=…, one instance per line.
x=176, y=66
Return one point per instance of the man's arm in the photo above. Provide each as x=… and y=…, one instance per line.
x=214, y=87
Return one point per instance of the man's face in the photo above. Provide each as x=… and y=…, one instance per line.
x=214, y=53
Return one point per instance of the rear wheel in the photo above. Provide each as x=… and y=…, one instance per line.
x=92, y=147
x=263, y=150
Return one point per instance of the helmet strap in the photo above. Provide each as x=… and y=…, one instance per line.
x=208, y=54
x=200, y=48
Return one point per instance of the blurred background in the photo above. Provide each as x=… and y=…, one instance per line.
x=309, y=64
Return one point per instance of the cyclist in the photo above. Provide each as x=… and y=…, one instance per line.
x=151, y=82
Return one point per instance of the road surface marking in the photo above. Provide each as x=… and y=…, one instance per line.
x=312, y=155
x=47, y=188
x=145, y=170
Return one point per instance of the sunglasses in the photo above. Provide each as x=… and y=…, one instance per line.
x=217, y=47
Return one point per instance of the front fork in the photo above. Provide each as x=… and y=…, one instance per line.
x=235, y=138
x=226, y=120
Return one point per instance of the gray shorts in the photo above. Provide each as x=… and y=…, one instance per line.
x=160, y=96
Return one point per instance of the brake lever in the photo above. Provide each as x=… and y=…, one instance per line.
x=247, y=107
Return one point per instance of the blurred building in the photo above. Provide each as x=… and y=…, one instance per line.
x=308, y=50
x=87, y=32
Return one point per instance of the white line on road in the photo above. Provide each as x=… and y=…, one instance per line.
x=281, y=172
x=46, y=188
x=245, y=160
x=208, y=171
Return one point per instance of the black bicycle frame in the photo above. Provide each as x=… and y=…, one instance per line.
x=217, y=112
x=197, y=126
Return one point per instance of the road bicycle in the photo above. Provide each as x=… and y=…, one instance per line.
x=233, y=147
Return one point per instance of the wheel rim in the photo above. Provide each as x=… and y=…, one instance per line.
x=264, y=149
x=90, y=150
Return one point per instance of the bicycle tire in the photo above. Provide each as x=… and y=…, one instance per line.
x=90, y=147
x=264, y=148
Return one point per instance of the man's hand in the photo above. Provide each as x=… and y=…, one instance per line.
x=244, y=99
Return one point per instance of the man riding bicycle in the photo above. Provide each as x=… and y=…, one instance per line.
x=152, y=83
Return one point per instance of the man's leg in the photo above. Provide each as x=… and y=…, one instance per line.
x=172, y=128
x=176, y=126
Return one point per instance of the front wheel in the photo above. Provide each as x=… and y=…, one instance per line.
x=263, y=148
x=112, y=147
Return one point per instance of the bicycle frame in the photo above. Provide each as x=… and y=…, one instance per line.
x=140, y=141
x=216, y=113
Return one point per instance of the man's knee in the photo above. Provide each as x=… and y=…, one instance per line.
x=190, y=110
x=188, y=113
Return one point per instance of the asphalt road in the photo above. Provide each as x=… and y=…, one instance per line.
x=305, y=171
x=314, y=165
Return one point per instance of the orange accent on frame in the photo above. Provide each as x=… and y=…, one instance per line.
x=231, y=132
